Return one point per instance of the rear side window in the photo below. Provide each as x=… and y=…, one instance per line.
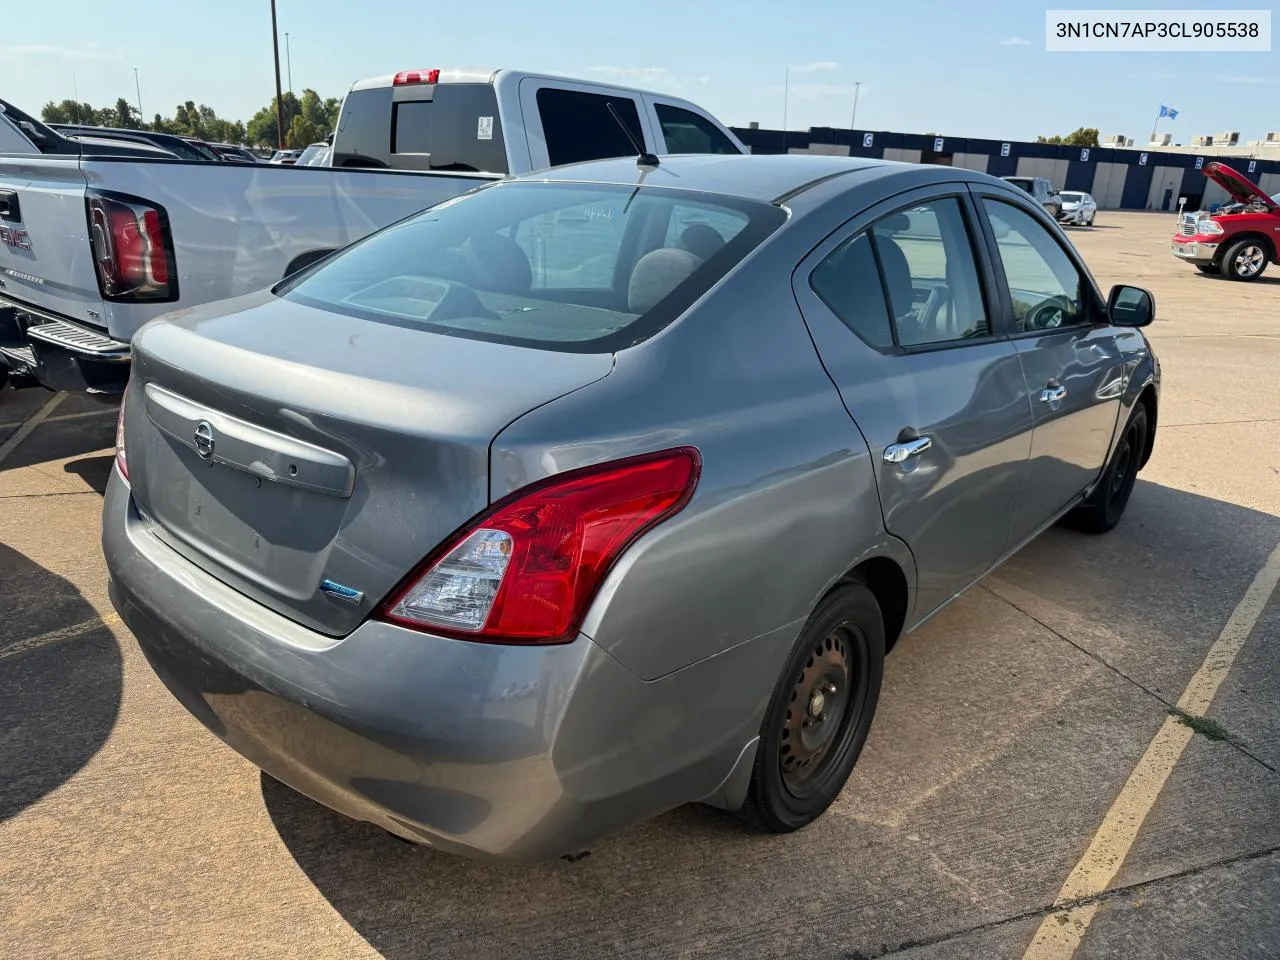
x=457, y=128
x=849, y=283
x=578, y=126
x=686, y=132
x=583, y=268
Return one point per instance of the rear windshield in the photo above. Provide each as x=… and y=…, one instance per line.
x=1071, y=196
x=583, y=268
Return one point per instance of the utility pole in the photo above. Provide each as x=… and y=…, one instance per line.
x=853, y=121
x=288, y=61
x=275, y=47
x=137, y=86
x=786, y=99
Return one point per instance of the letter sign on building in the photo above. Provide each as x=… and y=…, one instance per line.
x=937, y=145
x=1253, y=166
x=1142, y=159
x=1199, y=163
x=868, y=139
x=1084, y=153
x=1004, y=149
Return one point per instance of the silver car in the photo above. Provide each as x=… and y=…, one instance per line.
x=1079, y=208
x=607, y=489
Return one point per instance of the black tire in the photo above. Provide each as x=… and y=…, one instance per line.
x=819, y=714
x=1244, y=260
x=1210, y=268
x=1105, y=505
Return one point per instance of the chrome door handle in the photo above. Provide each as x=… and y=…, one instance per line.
x=1054, y=394
x=902, y=452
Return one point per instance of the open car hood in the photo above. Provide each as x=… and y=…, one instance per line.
x=1238, y=185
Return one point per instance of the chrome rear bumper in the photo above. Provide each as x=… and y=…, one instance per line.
x=59, y=353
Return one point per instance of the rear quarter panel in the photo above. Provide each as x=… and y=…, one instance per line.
x=237, y=226
x=57, y=273
x=786, y=503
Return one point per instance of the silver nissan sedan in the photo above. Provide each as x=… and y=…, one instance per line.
x=606, y=489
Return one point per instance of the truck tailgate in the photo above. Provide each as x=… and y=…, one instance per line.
x=45, y=258
x=237, y=227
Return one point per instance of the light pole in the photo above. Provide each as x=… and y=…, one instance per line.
x=137, y=86
x=853, y=121
x=275, y=48
x=288, y=61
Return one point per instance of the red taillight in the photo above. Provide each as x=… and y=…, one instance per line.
x=416, y=76
x=526, y=571
x=131, y=248
x=122, y=459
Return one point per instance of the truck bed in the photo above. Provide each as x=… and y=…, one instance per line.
x=235, y=228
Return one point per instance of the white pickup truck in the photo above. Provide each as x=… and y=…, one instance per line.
x=94, y=245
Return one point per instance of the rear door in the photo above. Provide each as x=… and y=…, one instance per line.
x=45, y=259
x=1074, y=370
x=571, y=122
x=898, y=303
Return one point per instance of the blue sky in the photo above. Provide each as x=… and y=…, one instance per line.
x=956, y=68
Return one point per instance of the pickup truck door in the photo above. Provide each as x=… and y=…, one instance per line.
x=569, y=122
x=45, y=258
x=896, y=307
x=683, y=128
x=1074, y=368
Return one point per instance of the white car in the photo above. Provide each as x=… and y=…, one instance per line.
x=1078, y=208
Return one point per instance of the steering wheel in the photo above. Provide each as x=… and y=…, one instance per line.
x=1049, y=314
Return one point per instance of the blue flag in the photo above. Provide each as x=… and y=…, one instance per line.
x=1169, y=112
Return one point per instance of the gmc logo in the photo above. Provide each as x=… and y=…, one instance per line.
x=18, y=239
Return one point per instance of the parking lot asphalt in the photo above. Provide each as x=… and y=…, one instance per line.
x=1024, y=741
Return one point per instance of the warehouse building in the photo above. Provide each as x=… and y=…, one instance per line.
x=1119, y=178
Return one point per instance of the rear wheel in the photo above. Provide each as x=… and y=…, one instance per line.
x=1244, y=260
x=820, y=712
x=1105, y=506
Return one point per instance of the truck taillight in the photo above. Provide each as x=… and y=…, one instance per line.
x=132, y=248
x=525, y=571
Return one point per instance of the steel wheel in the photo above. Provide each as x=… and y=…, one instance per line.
x=820, y=712
x=1105, y=505
x=827, y=695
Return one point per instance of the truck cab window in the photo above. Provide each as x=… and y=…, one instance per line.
x=578, y=126
x=687, y=132
x=445, y=131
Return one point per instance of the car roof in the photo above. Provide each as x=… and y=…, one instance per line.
x=767, y=178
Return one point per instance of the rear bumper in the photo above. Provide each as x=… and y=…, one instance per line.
x=520, y=753
x=1193, y=251
x=59, y=353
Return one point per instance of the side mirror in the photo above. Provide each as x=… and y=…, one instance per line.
x=1130, y=306
x=34, y=135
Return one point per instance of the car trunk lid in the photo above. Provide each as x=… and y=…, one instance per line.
x=310, y=459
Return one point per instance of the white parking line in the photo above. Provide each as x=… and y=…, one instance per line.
x=1061, y=932
x=31, y=423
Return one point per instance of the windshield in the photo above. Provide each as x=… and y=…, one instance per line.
x=1072, y=197
x=304, y=158
x=574, y=267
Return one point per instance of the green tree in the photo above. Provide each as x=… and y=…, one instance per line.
x=125, y=114
x=261, y=128
x=68, y=111
x=1079, y=137
x=332, y=107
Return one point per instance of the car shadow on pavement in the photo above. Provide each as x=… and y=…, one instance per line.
x=953, y=816
x=94, y=471
x=60, y=682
